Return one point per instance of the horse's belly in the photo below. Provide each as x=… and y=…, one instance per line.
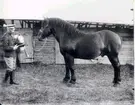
x=89, y=49
x=87, y=54
x=83, y=53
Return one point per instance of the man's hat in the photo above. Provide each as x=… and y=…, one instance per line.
x=9, y=25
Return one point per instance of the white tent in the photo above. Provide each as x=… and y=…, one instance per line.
x=108, y=11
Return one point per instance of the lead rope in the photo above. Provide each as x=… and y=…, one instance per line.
x=42, y=45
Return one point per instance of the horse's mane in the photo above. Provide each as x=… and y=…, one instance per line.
x=67, y=27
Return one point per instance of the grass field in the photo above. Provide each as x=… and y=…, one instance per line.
x=42, y=84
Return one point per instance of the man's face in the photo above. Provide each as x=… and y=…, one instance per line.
x=11, y=29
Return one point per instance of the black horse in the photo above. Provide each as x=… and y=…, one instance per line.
x=74, y=43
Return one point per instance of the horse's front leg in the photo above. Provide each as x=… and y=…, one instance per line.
x=69, y=63
x=71, y=67
x=67, y=75
x=73, y=77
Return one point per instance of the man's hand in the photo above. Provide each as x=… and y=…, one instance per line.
x=15, y=47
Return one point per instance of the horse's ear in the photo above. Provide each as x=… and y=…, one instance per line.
x=47, y=21
x=43, y=17
x=43, y=22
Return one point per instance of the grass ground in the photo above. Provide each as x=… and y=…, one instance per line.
x=41, y=84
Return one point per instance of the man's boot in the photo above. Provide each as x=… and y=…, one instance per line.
x=11, y=79
x=6, y=76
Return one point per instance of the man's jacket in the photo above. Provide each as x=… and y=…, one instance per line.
x=8, y=43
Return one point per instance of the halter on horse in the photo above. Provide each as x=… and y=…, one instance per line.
x=74, y=43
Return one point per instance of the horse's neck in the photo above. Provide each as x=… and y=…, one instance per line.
x=59, y=35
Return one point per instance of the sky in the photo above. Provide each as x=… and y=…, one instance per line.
x=109, y=11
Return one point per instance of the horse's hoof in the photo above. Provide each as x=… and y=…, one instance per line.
x=116, y=81
x=72, y=81
x=116, y=84
x=119, y=80
x=65, y=80
x=69, y=84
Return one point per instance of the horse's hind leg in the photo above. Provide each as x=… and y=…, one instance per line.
x=116, y=65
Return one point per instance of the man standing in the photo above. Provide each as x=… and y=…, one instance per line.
x=10, y=47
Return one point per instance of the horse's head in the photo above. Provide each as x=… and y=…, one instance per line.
x=45, y=31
